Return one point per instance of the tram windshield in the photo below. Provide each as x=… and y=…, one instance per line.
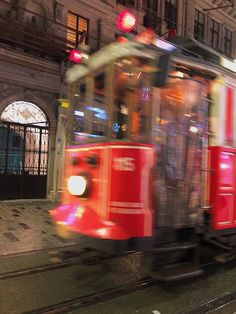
x=113, y=103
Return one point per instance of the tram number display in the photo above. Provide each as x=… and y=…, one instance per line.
x=124, y=164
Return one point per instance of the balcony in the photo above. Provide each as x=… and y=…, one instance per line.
x=30, y=39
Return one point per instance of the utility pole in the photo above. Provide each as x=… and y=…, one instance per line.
x=61, y=138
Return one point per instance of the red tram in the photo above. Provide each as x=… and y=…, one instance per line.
x=152, y=160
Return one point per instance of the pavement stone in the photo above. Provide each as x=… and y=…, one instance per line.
x=25, y=225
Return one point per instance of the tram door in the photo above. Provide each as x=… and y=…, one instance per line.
x=180, y=122
x=23, y=160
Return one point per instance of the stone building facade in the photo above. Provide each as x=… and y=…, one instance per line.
x=35, y=39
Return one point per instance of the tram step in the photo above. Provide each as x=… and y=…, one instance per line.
x=176, y=272
x=174, y=247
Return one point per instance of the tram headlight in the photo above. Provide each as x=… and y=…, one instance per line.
x=78, y=185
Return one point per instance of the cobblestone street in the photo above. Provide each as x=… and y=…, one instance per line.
x=27, y=226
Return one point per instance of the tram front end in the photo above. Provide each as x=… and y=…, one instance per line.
x=107, y=200
x=107, y=196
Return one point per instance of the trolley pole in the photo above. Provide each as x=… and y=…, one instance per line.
x=60, y=139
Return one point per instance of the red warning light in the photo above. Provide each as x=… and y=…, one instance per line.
x=126, y=21
x=75, y=56
x=122, y=39
x=146, y=37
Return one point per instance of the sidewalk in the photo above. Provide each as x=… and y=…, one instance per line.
x=25, y=225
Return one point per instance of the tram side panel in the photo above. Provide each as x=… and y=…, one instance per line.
x=223, y=187
x=222, y=154
x=130, y=201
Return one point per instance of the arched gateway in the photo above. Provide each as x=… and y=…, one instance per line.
x=23, y=151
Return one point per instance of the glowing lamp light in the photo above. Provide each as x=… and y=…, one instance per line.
x=75, y=56
x=77, y=185
x=126, y=21
x=224, y=166
x=103, y=232
x=80, y=212
x=193, y=129
x=164, y=44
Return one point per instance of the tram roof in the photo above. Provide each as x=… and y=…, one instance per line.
x=105, y=56
x=117, y=50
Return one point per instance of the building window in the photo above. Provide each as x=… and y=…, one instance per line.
x=171, y=18
x=171, y=14
x=150, y=18
x=76, y=26
x=127, y=2
x=199, y=25
x=173, y=2
x=228, y=35
x=35, y=16
x=24, y=112
x=214, y=31
x=150, y=5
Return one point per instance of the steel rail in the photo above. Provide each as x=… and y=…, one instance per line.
x=94, y=298
x=78, y=259
x=44, y=250
x=211, y=305
x=109, y=294
x=37, y=269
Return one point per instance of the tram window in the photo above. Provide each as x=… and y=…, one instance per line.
x=132, y=99
x=78, y=93
x=182, y=119
x=99, y=83
x=78, y=112
x=98, y=109
x=79, y=107
x=89, y=110
x=82, y=92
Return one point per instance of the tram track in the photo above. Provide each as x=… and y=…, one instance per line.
x=70, y=259
x=106, y=295
x=38, y=251
x=37, y=269
x=79, y=257
x=88, y=298
x=94, y=298
x=210, y=306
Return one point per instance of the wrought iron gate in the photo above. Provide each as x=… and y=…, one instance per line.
x=23, y=160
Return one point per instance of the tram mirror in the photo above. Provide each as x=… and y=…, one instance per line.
x=161, y=75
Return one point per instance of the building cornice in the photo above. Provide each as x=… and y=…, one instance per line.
x=27, y=61
x=228, y=13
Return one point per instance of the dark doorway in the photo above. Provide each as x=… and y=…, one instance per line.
x=23, y=160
